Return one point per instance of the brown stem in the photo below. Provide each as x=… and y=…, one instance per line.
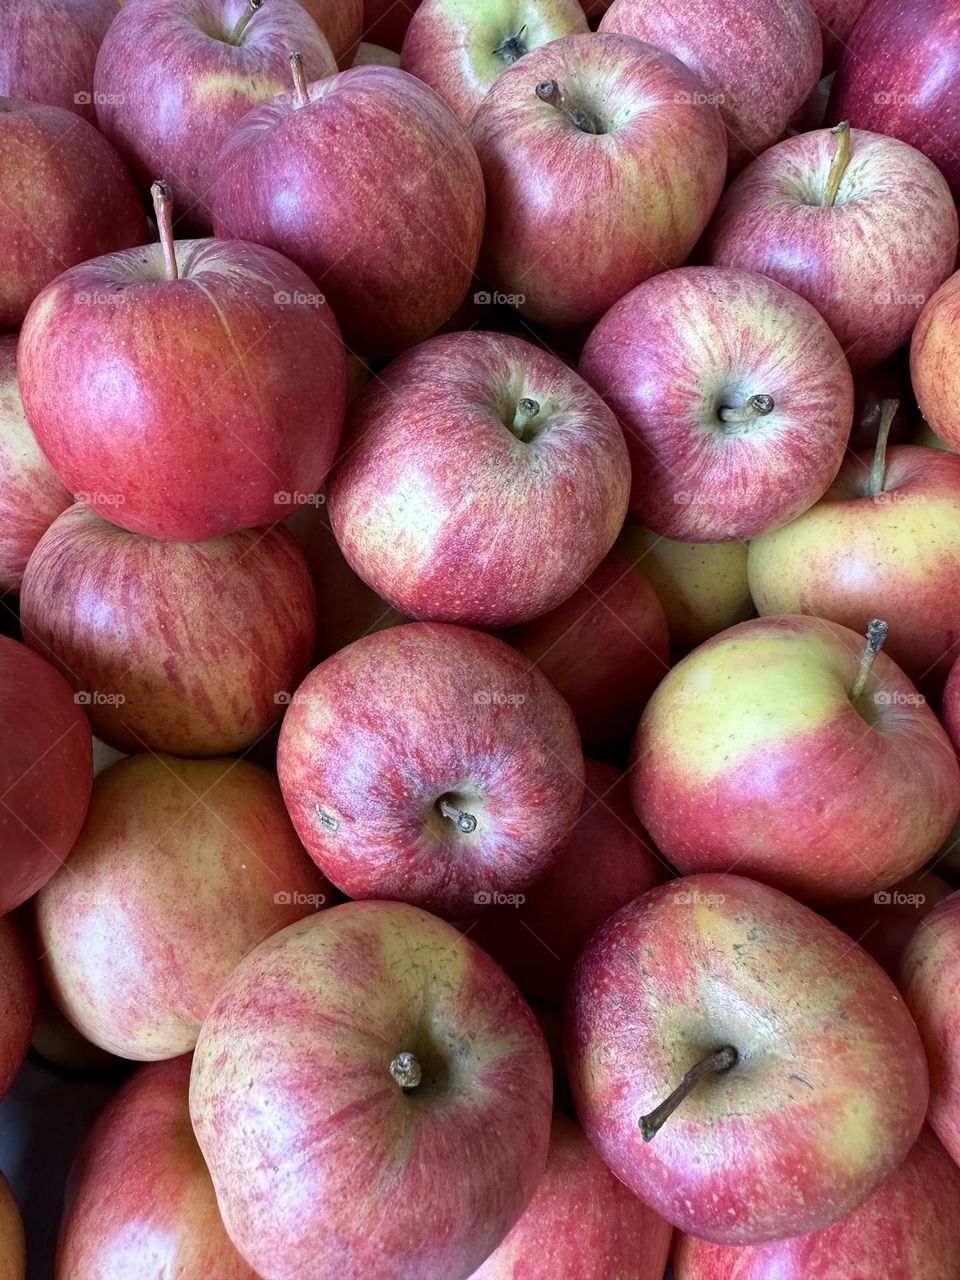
x=838, y=166
x=464, y=822
x=237, y=32
x=512, y=48
x=300, y=94
x=876, y=634
x=878, y=472
x=526, y=410
x=406, y=1070
x=163, y=209
x=755, y=407
x=720, y=1060
x=552, y=93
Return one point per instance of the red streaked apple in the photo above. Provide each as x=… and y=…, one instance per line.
x=18, y=1000
x=13, y=1241
x=180, y=647
x=49, y=48
x=862, y=226
x=431, y=764
x=933, y=361
x=788, y=749
x=46, y=772
x=602, y=167
x=139, y=1199
x=481, y=481
x=396, y=1087
x=736, y=413
x=837, y=21
x=884, y=923
x=341, y=21
x=797, y=1075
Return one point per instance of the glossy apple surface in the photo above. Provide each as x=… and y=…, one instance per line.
x=13, y=1243
x=578, y=214
x=827, y=1090
x=359, y=1174
x=431, y=764
x=933, y=361
x=61, y=76
x=754, y=754
x=18, y=1001
x=46, y=772
x=869, y=260
x=341, y=21
x=191, y=648
x=481, y=481
x=707, y=465
x=884, y=923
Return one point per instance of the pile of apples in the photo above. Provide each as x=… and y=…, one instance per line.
x=480, y=682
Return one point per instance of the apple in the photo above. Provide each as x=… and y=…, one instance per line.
x=431, y=764
x=734, y=396
x=758, y=61
x=888, y=381
x=385, y=21
x=908, y=1229
x=607, y=861
x=459, y=48
x=139, y=1200
x=31, y=494
x=798, y=1078
x=62, y=75
x=13, y=1242
x=862, y=226
x=46, y=772
x=884, y=923
x=395, y=1086
x=375, y=55
x=581, y=1223
x=837, y=21
x=59, y=1045
x=341, y=21
x=899, y=75
x=394, y=257
x=702, y=585
x=219, y=359
x=605, y=648
x=573, y=140
x=481, y=481
x=787, y=749
x=191, y=648
x=950, y=707
x=18, y=1001
x=174, y=77
x=933, y=360
x=66, y=197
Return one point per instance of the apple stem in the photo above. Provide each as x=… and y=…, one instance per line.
x=550, y=92
x=720, y=1060
x=755, y=407
x=512, y=48
x=301, y=96
x=465, y=822
x=238, y=30
x=878, y=472
x=406, y=1070
x=876, y=634
x=838, y=166
x=526, y=410
x=163, y=209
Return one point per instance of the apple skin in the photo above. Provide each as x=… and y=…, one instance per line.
x=385, y=22
x=13, y=1242
x=888, y=381
x=837, y=21
x=720, y=337
x=46, y=773
x=379, y=733
x=933, y=360
x=869, y=263
x=59, y=173
x=341, y=21
x=605, y=649
x=59, y=1045
x=355, y=1177
x=607, y=861
x=155, y=874
x=896, y=556
x=139, y=1199
x=393, y=267
x=907, y=1230
x=375, y=55
x=581, y=1224
x=170, y=85
x=575, y=220
x=30, y=69
x=451, y=45
x=751, y=754
x=759, y=60
x=825, y=1100
x=950, y=706
x=446, y=513
x=190, y=648
x=899, y=75
x=884, y=923
x=18, y=1000
x=237, y=396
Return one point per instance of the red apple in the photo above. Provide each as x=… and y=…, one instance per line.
x=933, y=361
x=860, y=225
x=837, y=21
x=602, y=168
x=758, y=60
x=191, y=648
x=607, y=861
x=174, y=77
x=66, y=197
x=385, y=21
x=396, y=1090
x=140, y=1201
x=341, y=21
x=800, y=1078
x=394, y=256
x=220, y=360
x=734, y=396
x=481, y=481
x=432, y=764
x=459, y=49
x=18, y=1002
x=582, y=1224
x=49, y=48
x=884, y=923
x=888, y=381
x=46, y=772
x=13, y=1242
x=950, y=709
x=782, y=748
x=907, y=1230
